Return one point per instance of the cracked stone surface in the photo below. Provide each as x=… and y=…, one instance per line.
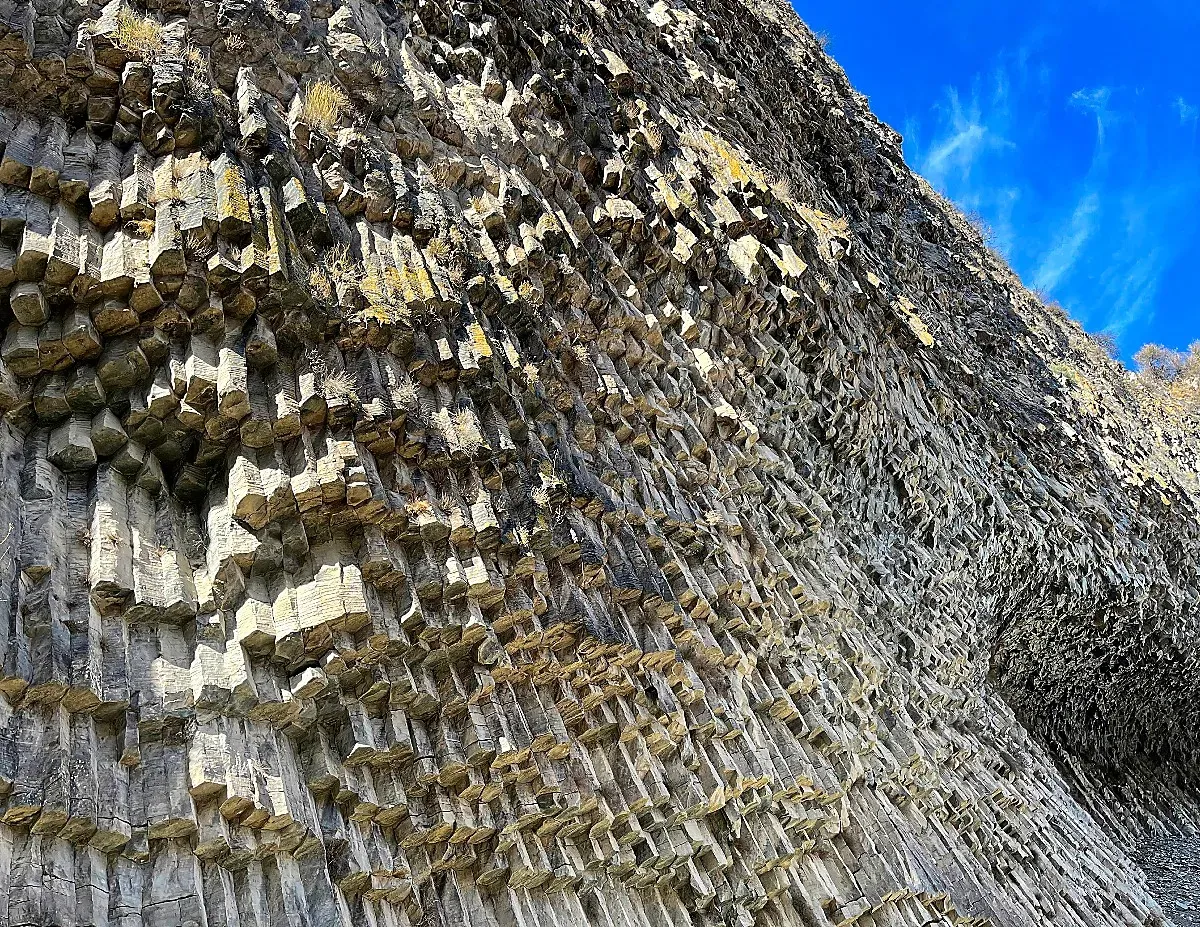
x=541, y=461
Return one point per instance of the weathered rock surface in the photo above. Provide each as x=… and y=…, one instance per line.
x=521, y=462
x=1172, y=866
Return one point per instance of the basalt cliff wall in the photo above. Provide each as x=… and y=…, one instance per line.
x=526, y=462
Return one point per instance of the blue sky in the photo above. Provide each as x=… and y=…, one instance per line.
x=1071, y=128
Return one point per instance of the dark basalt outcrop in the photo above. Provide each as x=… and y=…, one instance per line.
x=542, y=462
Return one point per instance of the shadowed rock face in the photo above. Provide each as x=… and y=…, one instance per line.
x=1172, y=866
x=523, y=463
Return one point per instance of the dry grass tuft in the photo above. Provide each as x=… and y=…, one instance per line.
x=418, y=507
x=531, y=293
x=654, y=138
x=470, y=434
x=323, y=105
x=196, y=81
x=139, y=34
x=440, y=175
x=339, y=387
x=165, y=191
x=383, y=289
x=461, y=431
x=198, y=245
x=336, y=271
x=782, y=190
x=987, y=235
x=726, y=162
x=406, y=393
x=585, y=34
x=143, y=228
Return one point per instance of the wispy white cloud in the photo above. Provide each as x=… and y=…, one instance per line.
x=970, y=136
x=1069, y=246
x=956, y=152
x=1129, y=288
x=1188, y=114
x=1126, y=231
x=967, y=134
x=1143, y=246
x=1103, y=239
x=1096, y=101
x=1093, y=100
x=1071, y=234
x=1132, y=291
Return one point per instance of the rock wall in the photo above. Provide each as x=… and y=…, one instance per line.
x=508, y=463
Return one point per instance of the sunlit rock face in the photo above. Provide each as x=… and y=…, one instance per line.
x=522, y=463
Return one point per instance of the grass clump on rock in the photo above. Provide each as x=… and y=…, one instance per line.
x=139, y=34
x=323, y=105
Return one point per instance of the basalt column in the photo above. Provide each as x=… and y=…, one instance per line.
x=536, y=462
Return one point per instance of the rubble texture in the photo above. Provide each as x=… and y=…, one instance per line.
x=521, y=462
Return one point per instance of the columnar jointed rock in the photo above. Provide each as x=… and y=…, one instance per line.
x=541, y=462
